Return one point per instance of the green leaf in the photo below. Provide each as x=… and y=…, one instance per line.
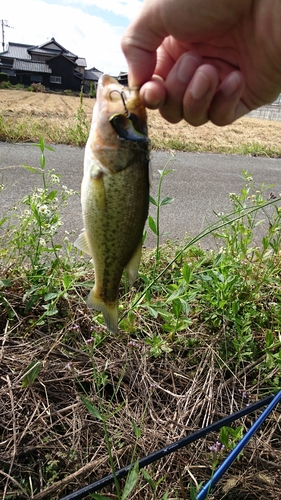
x=165, y=496
x=137, y=430
x=152, y=312
x=5, y=282
x=42, y=161
x=269, y=338
x=131, y=481
x=193, y=492
x=91, y=408
x=31, y=169
x=152, y=200
x=50, y=296
x=67, y=280
x=52, y=195
x=166, y=201
x=166, y=172
x=33, y=300
x=224, y=436
x=31, y=373
x=177, y=307
x=148, y=478
x=185, y=306
x=152, y=225
x=186, y=272
x=178, y=292
x=2, y=221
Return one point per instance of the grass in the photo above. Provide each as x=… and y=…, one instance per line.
x=61, y=119
x=199, y=338
x=75, y=132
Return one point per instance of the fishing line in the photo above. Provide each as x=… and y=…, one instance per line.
x=171, y=448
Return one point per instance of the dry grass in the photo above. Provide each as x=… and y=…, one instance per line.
x=51, y=445
x=27, y=115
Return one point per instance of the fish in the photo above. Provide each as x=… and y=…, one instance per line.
x=114, y=193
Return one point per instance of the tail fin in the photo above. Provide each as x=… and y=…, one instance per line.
x=109, y=311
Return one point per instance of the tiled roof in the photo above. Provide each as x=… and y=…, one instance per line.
x=33, y=66
x=52, y=52
x=81, y=61
x=92, y=75
x=22, y=51
x=58, y=48
x=17, y=50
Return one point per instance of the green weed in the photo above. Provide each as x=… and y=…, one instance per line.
x=212, y=316
x=29, y=242
x=154, y=224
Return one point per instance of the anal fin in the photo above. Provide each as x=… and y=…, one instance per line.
x=133, y=265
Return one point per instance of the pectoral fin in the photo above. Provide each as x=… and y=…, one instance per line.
x=82, y=243
x=133, y=266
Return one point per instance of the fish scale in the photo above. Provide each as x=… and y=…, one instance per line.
x=114, y=193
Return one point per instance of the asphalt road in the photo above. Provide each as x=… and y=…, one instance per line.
x=200, y=184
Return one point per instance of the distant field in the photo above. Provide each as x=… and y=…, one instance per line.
x=245, y=135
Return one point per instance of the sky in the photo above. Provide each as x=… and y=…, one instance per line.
x=88, y=28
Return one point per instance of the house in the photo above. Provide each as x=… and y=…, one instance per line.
x=91, y=75
x=123, y=78
x=50, y=64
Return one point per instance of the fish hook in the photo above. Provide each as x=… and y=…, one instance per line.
x=123, y=97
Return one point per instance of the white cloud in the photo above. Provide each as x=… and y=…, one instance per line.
x=92, y=37
x=125, y=8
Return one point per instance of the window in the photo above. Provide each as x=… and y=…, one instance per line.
x=55, y=79
x=36, y=78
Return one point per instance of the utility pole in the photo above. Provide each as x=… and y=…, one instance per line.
x=4, y=24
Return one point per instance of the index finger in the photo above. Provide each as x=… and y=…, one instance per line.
x=139, y=44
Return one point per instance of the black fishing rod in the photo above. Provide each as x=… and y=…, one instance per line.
x=167, y=450
x=238, y=448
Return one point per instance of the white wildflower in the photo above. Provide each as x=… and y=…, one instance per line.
x=44, y=209
x=55, y=179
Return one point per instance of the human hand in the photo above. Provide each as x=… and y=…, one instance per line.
x=205, y=59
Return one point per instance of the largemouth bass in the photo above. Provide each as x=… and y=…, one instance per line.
x=114, y=193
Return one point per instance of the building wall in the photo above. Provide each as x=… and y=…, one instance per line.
x=63, y=68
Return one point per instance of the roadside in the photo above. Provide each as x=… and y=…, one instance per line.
x=200, y=184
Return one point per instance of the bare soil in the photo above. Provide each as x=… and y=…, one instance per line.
x=62, y=110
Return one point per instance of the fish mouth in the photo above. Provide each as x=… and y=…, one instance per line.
x=114, y=99
x=117, y=98
x=124, y=126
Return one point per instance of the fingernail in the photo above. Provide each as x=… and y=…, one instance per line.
x=199, y=86
x=230, y=84
x=188, y=64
